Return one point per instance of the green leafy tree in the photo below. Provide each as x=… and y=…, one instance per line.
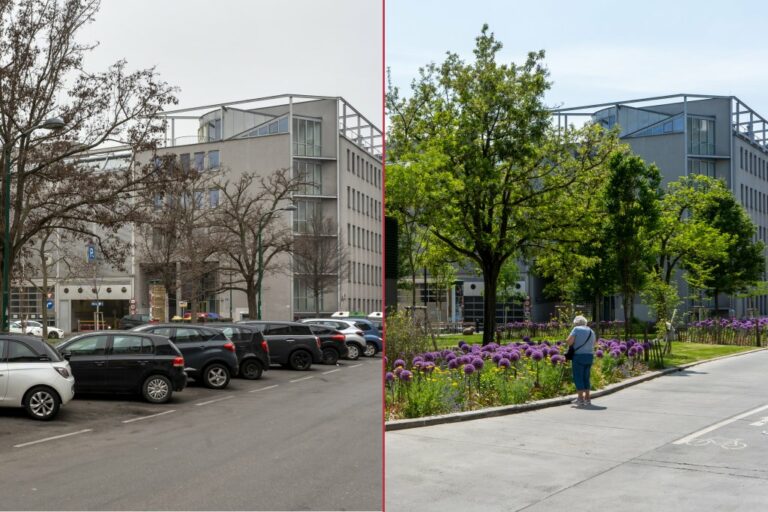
x=632, y=200
x=496, y=180
x=743, y=263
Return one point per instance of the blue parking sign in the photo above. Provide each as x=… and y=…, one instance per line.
x=91, y=253
x=49, y=304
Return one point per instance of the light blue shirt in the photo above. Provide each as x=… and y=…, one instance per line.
x=582, y=333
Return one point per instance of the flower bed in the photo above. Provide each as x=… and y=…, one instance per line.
x=552, y=329
x=727, y=331
x=471, y=377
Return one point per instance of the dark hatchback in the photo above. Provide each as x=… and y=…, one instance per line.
x=208, y=354
x=251, y=348
x=131, y=321
x=332, y=343
x=291, y=344
x=125, y=362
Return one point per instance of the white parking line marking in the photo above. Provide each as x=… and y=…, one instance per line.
x=716, y=426
x=331, y=371
x=150, y=416
x=263, y=389
x=53, y=438
x=761, y=422
x=303, y=378
x=216, y=400
x=355, y=365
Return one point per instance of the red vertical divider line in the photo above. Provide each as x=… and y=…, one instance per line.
x=383, y=246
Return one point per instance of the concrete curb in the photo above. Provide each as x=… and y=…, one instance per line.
x=542, y=404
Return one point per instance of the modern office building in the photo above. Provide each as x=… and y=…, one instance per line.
x=718, y=136
x=324, y=139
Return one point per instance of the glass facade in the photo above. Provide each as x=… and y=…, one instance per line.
x=673, y=125
x=701, y=166
x=305, y=212
x=304, y=298
x=311, y=174
x=306, y=137
x=701, y=136
x=271, y=127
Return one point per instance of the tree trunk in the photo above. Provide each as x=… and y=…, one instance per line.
x=625, y=301
x=598, y=304
x=490, y=281
x=250, y=292
x=317, y=303
x=717, y=305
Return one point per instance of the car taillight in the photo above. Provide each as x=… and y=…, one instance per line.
x=178, y=362
x=229, y=346
x=264, y=346
x=338, y=337
x=319, y=345
x=62, y=371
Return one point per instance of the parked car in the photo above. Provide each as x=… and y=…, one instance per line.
x=291, y=344
x=34, y=376
x=376, y=340
x=131, y=321
x=333, y=343
x=251, y=348
x=208, y=354
x=125, y=362
x=34, y=328
x=355, y=334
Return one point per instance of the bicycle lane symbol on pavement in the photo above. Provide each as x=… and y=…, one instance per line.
x=696, y=439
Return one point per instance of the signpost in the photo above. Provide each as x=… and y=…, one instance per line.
x=49, y=304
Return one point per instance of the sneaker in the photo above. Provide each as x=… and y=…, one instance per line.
x=578, y=402
x=587, y=402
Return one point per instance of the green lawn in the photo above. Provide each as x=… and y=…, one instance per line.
x=682, y=353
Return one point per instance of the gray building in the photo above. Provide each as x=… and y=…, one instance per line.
x=718, y=136
x=324, y=138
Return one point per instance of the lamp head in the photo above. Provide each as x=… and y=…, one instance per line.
x=53, y=123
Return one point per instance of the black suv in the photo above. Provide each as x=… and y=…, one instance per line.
x=291, y=344
x=332, y=343
x=125, y=362
x=130, y=321
x=252, y=348
x=207, y=352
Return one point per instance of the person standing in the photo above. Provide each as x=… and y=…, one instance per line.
x=582, y=338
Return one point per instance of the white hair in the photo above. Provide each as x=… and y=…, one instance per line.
x=579, y=320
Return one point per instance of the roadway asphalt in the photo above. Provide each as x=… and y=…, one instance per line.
x=290, y=441
x=691, y=441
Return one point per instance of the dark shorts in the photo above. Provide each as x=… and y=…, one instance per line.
x=582, y=365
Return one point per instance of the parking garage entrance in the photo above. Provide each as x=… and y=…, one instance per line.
x=110, y=313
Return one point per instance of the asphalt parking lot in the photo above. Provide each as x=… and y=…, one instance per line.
x=269, y=442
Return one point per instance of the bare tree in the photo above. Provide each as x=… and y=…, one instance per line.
x=319, y=257
x=41, y=75
x=178, y=240
x=247, y=218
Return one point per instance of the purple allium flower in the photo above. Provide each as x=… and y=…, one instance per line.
x=504, y=363
x=418, y=359
x=429, y=357
x=399, y=362
x=462, y=343
x=428, y=367
x=514, y=356
x=478, y=363
x=389, y=376
x=537, y=355
x=529, y=352
x=397, y=371
x=553, y=351
x=465, y=348
x=465, y=360
x=497, y=357
x=556, y=359
x=599, y=353
x=526, y=339
x=615, y=354
x=406, y=376
x=469, y=369
x=450, y=356
x=453, y=364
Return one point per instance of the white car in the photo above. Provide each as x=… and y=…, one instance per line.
x=36, y=329
x=34, y=376
x=355, y=338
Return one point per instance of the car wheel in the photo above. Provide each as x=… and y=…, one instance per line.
x=157, y=389
x=353, y=352
x=330, y=356
x=216, y=376
x=42, y=403
x=251, y=369
x=370, y=349
x=53, y=335
x=300, y=360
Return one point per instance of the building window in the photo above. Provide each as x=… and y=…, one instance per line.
x=701, y=136
x=184, y=161
x=213, y=197
x=305, y=212
x=310, y=174
x=199, y=161
x=700, y=166
x=213, y=159
x=348, y=164
x=304, y=298
x=306, y=137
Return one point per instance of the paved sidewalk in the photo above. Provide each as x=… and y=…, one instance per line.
x=693, y=440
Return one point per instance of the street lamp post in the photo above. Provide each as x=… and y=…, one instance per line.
x=54, y=123
x=289, y=208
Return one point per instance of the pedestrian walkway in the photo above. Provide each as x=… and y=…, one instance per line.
x=696, y=440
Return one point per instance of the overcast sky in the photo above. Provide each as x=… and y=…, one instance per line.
x=219, y=51
x=598, y=51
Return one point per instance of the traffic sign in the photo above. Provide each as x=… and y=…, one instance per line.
x=98, y=303
x=91, y=253
x=49, y=304
x=183, y=303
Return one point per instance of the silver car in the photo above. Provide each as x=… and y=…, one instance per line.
x=355, y=338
